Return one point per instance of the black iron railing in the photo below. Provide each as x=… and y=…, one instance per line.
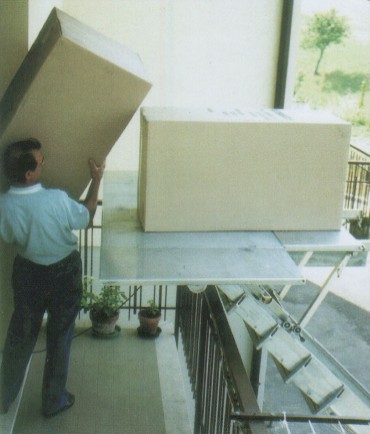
x=357, y=193
x=358, y=182
x=138, y=295
x=219, y=380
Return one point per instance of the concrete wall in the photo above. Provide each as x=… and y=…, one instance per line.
x=13, y=48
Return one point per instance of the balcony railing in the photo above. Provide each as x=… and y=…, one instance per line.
x=357, y=193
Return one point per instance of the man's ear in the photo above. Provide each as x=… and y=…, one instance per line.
x=28, y=176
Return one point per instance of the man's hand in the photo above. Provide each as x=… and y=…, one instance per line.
x=95, y=170
x=91, y=201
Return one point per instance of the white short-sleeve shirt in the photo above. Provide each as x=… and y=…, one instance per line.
x=40, y=222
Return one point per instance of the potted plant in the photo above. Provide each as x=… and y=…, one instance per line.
x=104, y=307
x=149, y=318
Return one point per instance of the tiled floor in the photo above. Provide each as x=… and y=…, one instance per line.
x=121, y=385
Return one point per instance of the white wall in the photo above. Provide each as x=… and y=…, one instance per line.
x=210, y=53
x=38, y=11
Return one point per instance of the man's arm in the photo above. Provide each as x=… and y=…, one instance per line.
x=91, y=201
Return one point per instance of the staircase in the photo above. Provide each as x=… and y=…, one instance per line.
x=325, y=385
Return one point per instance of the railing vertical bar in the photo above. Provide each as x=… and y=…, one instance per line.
x=154, y=292
x=220, y=383
x=129, y=302
x=165, y=301
x=200, y=379
x=85, y=252
x=202, y=382
x=179, y=290
x=225, y=402
x=208, y=410
x=213, y=397
x=186, y=324
x=159, y=303
x=194, y=325
x=135, y=298
x=92, y=252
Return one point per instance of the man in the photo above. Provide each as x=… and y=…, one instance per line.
x=47, y=272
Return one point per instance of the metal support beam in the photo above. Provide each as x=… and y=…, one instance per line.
x=301, y=418
x=302, y=264
x=324, y=289
x=259, y=371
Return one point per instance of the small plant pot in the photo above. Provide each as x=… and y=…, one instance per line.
x=148, y=324
x=104, y=327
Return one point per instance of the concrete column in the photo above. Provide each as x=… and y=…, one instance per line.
x=13, y=48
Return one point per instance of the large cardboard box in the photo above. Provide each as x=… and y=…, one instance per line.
x=75, y=91
x=202, y=170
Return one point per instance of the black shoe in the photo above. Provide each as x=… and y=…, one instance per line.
x=70, y=402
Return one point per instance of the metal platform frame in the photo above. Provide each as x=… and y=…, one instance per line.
x=333, y=249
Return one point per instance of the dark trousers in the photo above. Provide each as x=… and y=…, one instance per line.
x=55, y=289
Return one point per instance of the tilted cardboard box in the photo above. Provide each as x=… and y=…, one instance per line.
x=202, y=170
x=75, y=91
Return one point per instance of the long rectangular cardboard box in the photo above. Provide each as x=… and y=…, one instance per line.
x=202, y=170
x=75, y=91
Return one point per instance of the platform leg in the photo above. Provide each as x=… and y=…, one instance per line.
x=324, y=289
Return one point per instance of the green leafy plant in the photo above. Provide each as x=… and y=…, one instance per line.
x=152, y=310
x=105, y=304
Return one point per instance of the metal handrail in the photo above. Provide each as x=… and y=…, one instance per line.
x=273, y=417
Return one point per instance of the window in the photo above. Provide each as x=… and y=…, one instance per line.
x=333, y=67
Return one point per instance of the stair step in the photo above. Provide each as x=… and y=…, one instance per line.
x=232, y=292
x=317, y=407
x=287, y=350
x=255, y=317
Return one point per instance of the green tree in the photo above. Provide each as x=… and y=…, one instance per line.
x=322, y=30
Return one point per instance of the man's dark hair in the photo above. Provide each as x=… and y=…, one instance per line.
x=18, y=159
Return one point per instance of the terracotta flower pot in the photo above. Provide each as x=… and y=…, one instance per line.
x=148, y=324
